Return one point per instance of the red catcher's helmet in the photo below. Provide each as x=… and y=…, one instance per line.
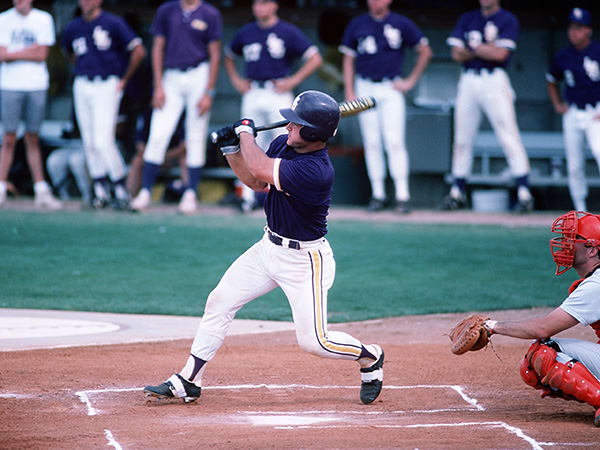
x=574, y=226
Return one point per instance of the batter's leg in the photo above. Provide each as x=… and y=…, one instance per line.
x=573, y=137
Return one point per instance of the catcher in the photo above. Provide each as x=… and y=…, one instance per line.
x=559, y=367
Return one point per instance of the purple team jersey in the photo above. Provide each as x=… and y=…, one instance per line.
x=100, y=46
x=378, y=45
x=299, y=211
x=581, y=72
x=270, y=52
x=473, y=29
x=187, y=33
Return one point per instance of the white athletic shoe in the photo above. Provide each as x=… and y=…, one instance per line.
x=45, y=199
x=141, y=201
x=187, y=204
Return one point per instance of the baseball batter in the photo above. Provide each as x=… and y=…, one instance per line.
x=99, y=43
x=269, y=47
x=185, y=62
x=578, y=66
x=562, y=367
x=483, y=41
x=293, y=253
x=373, y=46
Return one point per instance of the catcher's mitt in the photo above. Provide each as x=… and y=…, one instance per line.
x=470, y=334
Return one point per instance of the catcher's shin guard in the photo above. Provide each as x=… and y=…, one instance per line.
x=570, y=381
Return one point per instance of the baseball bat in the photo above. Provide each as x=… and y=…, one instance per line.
x=346, y=109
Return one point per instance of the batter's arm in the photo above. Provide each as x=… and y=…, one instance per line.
x=424, y=56
x=158, y=55
x=214, y=58
x=349, y=72
x=310, y=65
x=238, y=165
x=560, y=106
x=240, y=84
x=490, y=52
x=138, y=53
x=537, y=328
x=258, y=163
x=35, y=52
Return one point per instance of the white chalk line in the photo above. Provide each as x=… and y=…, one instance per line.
x=111, y=440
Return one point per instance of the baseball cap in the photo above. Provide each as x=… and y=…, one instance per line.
x=581, y=16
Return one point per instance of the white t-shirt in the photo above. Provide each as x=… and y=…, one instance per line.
x=16, y=33
x=584, y=302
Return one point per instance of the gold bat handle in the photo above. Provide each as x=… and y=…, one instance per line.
x=357, y=105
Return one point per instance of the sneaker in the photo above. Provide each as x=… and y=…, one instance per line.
x=451, y=203
x=121, y=204
x=175, y=387
x=46, y=200
x=524, y=206
x=372, y=379
x=99, y=203
x=187, y=204
x=247, y=206
x=401, y=207
x=375, y=205
x=142, y=201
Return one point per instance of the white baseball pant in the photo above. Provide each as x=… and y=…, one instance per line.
x=577, y=124
x=96, y=104
x=262, y=104
x=183, y=90
x=491, y=93
x=304, y=275
x=384, y=127
x=587, y=353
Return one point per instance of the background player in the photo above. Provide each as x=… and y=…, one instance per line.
x=483, y=41
x=293, y=252
x=269, y=47
x=373, y=46
x=187, y=46
x=578, y=66
x=26, y=33
x=100, y=42
x=561, y=367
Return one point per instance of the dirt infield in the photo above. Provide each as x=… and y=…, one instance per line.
x=261, y=391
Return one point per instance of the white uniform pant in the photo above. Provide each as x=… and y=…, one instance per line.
x=96, y=105
x=304, y=275
x=492, y=94
x=183, y=90
x=577, y=125
x=384, y=127
x=262, y=104
x=587, y=353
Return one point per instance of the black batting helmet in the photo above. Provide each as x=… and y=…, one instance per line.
x=317, y=112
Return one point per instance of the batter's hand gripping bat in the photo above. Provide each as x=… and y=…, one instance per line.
x=346, y=109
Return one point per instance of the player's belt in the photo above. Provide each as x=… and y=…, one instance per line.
x=480, y=70
x=261, y=83
x=280, y=241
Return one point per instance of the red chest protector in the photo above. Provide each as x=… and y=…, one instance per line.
x=595, y=325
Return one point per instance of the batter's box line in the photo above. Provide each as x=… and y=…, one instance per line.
x=85, y=395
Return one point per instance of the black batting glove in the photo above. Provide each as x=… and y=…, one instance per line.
x=227, y=140
x=244, y=126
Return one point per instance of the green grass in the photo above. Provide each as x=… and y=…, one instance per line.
x=168, y=264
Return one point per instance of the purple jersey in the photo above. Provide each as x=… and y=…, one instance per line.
x=100, y=46
x=299, y=211
x=378, y=45
x=581, y=72
x=270, y=52
x=187, y=33
x=473, y=29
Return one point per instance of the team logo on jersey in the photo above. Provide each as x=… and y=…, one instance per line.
x=474, y=39
x=393, y=36
x=367, y=45
x=22, y=38
x=490, y=32
x=199, y=25
x=79, y=46
x=591, y=68
x=275, y=46
x=102, y=39
x=252, y=51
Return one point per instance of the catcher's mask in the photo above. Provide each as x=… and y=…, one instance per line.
x=574, y=226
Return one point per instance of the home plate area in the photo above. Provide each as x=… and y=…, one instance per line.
x=288, y=407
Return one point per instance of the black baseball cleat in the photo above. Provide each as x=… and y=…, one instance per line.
x=372, y=380
x=524, y=206
x=175, y=387
x=375, y=205
x=401, y=207
x=451, y=203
